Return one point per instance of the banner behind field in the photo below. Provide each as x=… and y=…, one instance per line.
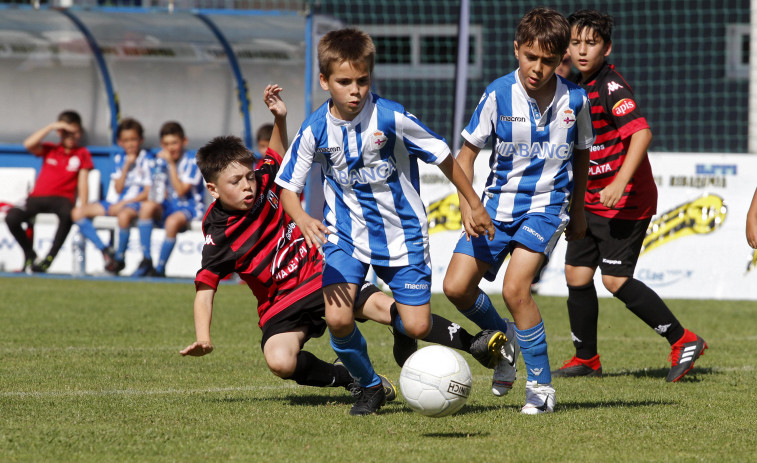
x=695, y=247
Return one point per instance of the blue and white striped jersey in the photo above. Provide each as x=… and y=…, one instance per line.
x=532, y=153
x=137, y=178
x=188, y=173
x=370, y=179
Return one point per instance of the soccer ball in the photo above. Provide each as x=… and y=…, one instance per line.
x=436, y=381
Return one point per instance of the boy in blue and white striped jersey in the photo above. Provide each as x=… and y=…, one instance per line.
x=542, y=130
x=368, y=148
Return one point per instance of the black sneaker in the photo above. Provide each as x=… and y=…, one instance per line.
x=109, y=257
x=486, y=347
x=116, y=267
x=683, y=354
x=156, y=273
x=369, y=401
x=144, y=268
x=28, y=263
x=41, y=266
x=404, y=346
x=580, y=367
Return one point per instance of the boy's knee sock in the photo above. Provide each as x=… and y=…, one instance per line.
x=123, y=243
x=312, y=371
x=533, y=347
x=485, y=315
x=583, y=313
x=648, y=306
x=165, y=253
x=352, y=350
x=443, y=331
x=88, y=231
x=145, y=235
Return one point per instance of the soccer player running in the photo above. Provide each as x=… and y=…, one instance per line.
x=368, y=148
x=246, y=231
x=541, y=128
x=621, y=199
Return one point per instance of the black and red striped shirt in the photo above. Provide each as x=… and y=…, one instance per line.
x=616, y=116
x=263, y=245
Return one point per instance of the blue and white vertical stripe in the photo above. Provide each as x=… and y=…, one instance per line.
x=532, y=153
x=370, y=179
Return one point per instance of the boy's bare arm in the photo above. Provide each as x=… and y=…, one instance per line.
x=129, y=160
x=637, y=150
x=82, y=186
x=480, y=221
x=751, y=222
x=313, y=230
x=203, y=314
x=272, y=98
x=33, y=142
x=576, y=228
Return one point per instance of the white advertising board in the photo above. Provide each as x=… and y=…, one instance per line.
x=695, y=247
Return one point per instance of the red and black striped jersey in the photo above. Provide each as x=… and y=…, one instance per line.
x=616, y=116
x=263, y=245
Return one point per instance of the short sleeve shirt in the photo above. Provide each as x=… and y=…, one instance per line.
x=616, y=116
x=137, y=178
x=532, y=152
x=59, y=175
x=370, y=179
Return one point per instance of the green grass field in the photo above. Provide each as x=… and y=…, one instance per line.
x=90, y=371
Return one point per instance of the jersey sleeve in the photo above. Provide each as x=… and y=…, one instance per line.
x=296, y=164
x=86, y=159
x=218, y=259
x=585, y=135
x=480, y=126
x=421, y=141
x=620, y=104
x=188, y=170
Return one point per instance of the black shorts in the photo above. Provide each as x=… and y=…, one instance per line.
x=309, y=313
x=613, y=245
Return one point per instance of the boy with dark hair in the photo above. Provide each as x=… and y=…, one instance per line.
x=62, y=178
x=129, y=178
x=368, y=149
x=621, y=199
x=174, y=200
x=249, y=233
x=263, y=138
x=541, y=125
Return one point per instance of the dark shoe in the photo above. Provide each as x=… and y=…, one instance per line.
x=370, y=400
x=144, y=268
x=156, y=273
x=486, y=347
x=109, y=257
x=41, y=266
x=683, y=354
x=28, y=263
x=404, y=346
x=117, y=266
x=580, y=367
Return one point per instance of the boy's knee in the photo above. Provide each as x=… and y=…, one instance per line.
x=455, y=291
x=280, y=363
x=418, y=330
x=514, y=295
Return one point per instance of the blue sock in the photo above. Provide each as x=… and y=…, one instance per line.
x=89, y=232
x=165, y=253
x=485, y=315
x=145, y=235
x=352, y=350
x=123, y=243
x=533, y=347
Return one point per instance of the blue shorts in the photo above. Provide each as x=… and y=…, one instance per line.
x=171, y=207
x=537, y=232
x=106, y=205
x=410, y=284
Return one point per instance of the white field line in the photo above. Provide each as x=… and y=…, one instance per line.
x=138, y=392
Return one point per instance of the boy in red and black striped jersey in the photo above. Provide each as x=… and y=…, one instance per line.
x=247, y=231
x=621, y=198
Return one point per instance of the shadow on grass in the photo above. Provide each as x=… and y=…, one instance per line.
x=455, y=435
x=563, y=406
x=663, y=373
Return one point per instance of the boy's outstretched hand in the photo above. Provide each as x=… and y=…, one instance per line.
x=273, y=100
x=197, y=349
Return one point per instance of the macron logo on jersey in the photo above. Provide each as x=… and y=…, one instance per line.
x=365, y=175
x=544, y=150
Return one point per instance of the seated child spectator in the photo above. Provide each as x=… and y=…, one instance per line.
x=62, y=177
x=174, y=200
x=130, y=179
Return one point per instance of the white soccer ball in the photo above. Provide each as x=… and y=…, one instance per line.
x=436, y=381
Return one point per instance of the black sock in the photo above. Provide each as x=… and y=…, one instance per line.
x=648, y=306
x=312, y=371
x=583, y=313
x=448, y=334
